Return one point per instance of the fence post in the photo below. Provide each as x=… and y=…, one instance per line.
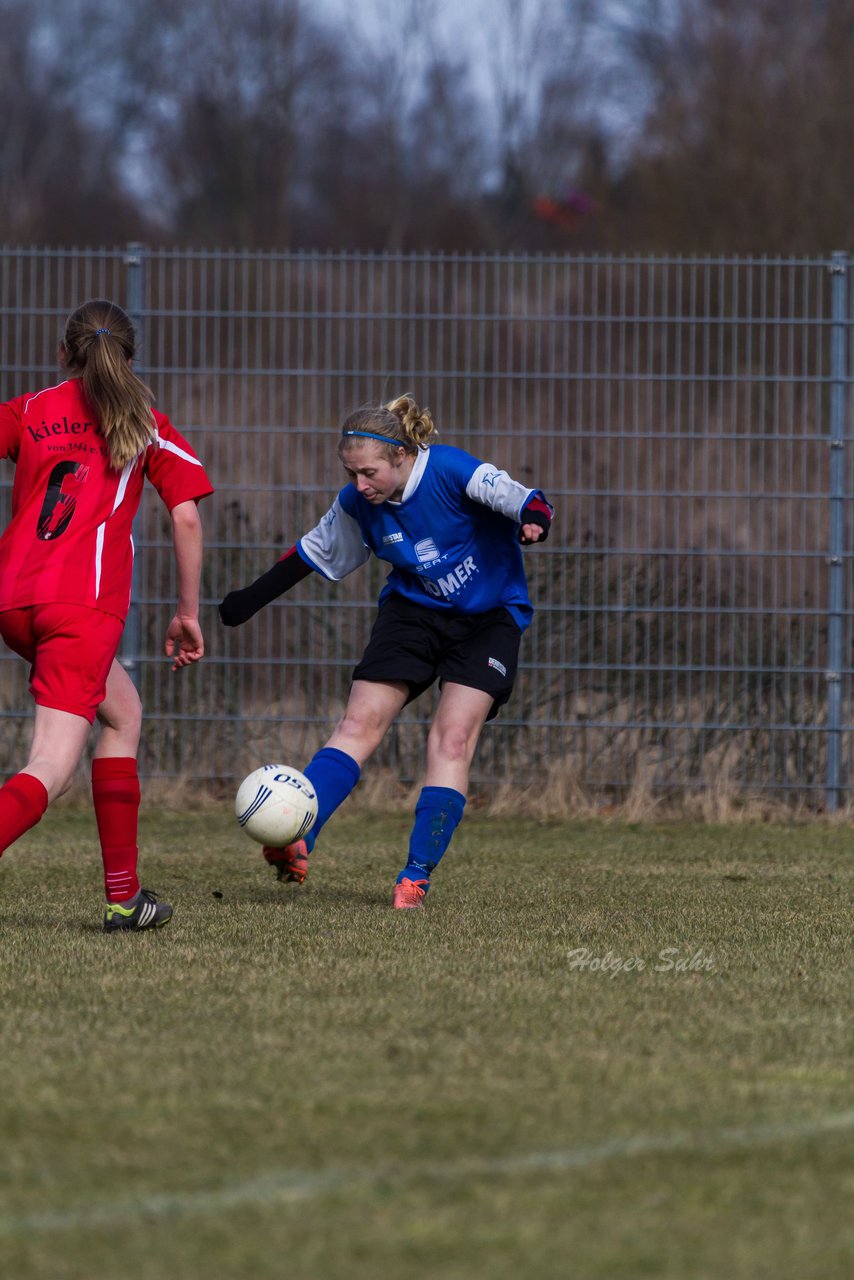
x=836, y=550
x=129, y=652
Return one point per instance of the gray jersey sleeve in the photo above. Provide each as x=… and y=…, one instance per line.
x=496, y=489
x=334, y=547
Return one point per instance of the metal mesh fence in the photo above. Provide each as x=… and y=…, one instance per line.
x=688, y=418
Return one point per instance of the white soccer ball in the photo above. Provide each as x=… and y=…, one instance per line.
x=276, y=805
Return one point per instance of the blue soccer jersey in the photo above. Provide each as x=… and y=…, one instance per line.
x=452, y=540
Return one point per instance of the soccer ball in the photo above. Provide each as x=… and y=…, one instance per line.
x=276, y=805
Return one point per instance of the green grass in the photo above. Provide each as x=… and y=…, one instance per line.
x=300, y=1082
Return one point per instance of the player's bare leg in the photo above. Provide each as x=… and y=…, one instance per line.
x=120, y=716
x=59, y=739
x=57, y=745
x=454, y=736
x=451, y=744
x=371, y=710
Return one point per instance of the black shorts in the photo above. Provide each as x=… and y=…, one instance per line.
x=417, y=645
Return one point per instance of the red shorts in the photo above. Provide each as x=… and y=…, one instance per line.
x=71, y=649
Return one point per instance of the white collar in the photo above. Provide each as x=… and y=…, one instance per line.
x=415, y=475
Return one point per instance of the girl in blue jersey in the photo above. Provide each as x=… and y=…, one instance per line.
x=453, y=608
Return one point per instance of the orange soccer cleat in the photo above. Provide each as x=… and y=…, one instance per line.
x=410, y=893
x=291, y=863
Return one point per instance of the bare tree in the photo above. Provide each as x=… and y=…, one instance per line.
x=60, y=165
x=219, y=123
x=407, y=164
x=746, y=141
x=545, y=96
x=239, y=103
x=691, y=124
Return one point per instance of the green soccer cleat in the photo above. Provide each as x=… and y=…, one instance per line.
x=142, y=912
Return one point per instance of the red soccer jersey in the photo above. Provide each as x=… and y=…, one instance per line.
x=69, y=540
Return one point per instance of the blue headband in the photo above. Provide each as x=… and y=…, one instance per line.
x=371, y=435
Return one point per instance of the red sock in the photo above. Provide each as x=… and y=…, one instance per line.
x=115, y=792
x=23, y=801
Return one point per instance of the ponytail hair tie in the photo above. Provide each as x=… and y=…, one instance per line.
x=97, y=331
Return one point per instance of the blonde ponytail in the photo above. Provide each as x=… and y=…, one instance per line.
x=99, y=342
x=417, y=423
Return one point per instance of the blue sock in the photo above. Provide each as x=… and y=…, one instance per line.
x=333, y=774
x=437, y=816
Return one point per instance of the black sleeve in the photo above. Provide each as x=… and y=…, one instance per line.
x=240, y=606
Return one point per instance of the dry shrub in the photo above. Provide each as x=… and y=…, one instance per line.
x=641, y=803
x=560, y=794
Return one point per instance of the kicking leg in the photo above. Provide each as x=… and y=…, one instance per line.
x=335, y=769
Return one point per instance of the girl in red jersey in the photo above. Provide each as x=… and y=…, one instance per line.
x=83, y=450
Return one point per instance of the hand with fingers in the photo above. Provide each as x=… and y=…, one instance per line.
x=184, y=641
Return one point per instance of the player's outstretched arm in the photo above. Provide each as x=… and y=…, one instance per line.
x=184, y=641
x=239, y=606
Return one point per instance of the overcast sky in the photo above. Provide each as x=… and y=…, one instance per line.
x=496, y=37
x=456, y=25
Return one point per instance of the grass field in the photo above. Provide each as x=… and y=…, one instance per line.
x=299, y=1082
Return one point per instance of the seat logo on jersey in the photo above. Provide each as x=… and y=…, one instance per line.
x=63, y=487
x=426, y=551
x=452, y=582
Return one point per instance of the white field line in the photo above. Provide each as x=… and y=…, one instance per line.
x=294, y=1186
